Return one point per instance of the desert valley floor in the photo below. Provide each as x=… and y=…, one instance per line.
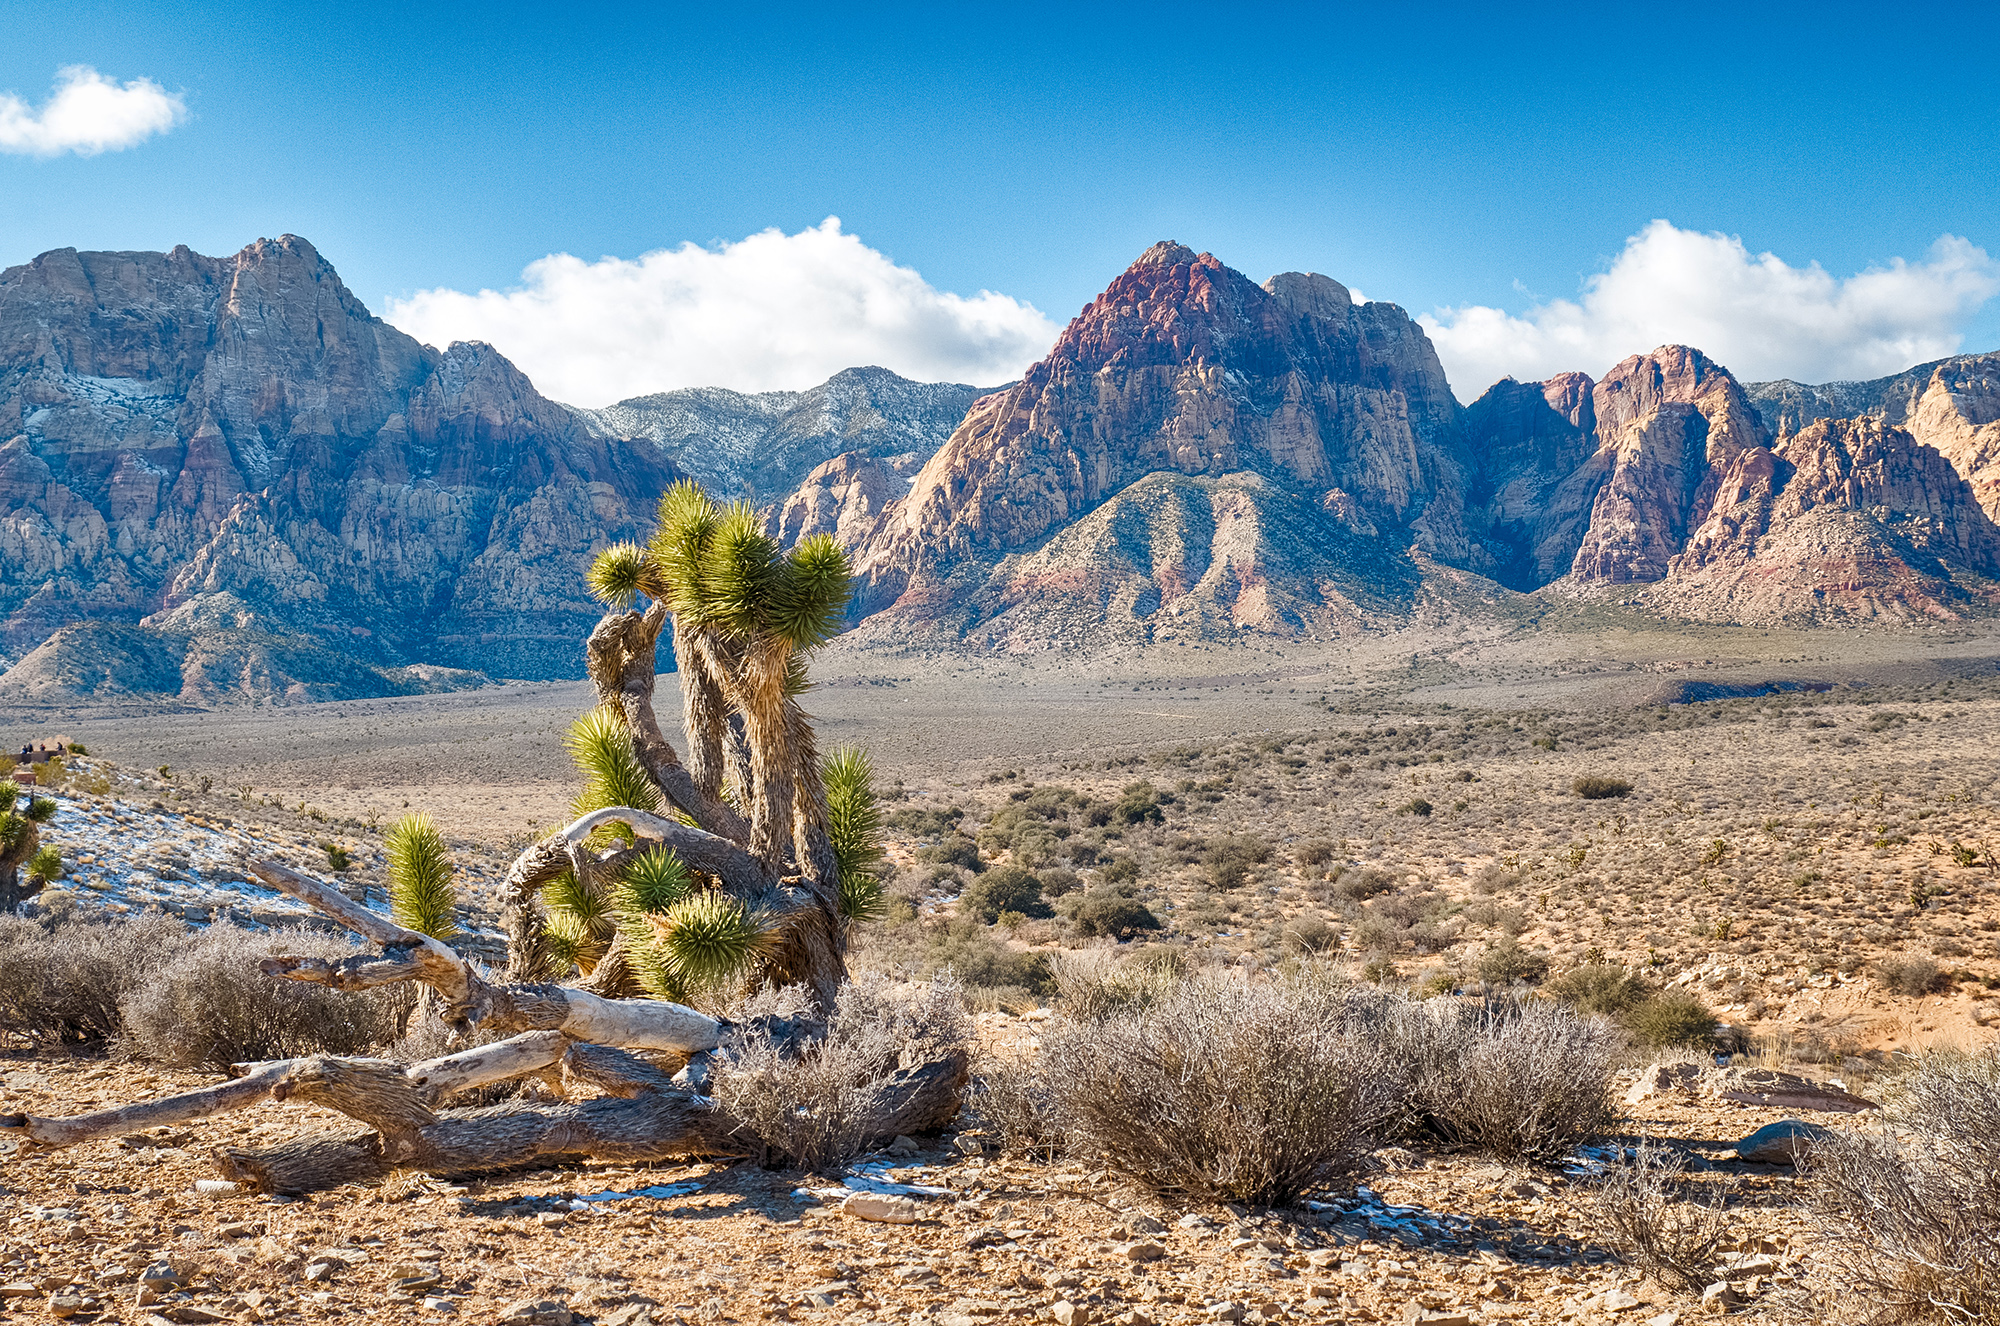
x=1805, y=809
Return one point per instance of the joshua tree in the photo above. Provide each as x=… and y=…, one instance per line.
x=26, y=866
x=673, y=884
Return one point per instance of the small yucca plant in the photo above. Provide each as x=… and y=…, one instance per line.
x=854, y=823
x=421, y=895
x=581, y=920
x=709, y=938
x=46, y=866
x=600, y=745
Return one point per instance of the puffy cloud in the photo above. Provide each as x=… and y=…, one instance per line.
x=773, y=311
x=1753, y=313
x=87, y=114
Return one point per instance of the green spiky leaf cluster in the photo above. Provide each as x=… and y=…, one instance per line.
x=600, y=745
x=709, y=938
x=421, y=894
x=854, y=824
x=621, y=573
x=46, y=866
x=725, y=573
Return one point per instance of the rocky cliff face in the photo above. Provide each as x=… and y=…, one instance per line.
x=1951, y=404
x=1190, y=433
x=178, y=428
x=761, y=447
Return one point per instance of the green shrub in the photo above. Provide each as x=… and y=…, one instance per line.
x=1673, y=1018
x=1104, y=911
x=1006, y=888
x=1597, y=788
x=1057, y=882
x=1507, y=963
x=1415, y=806
x=979, y=960
x=1140, y=804
x=1118, y=872
x=1228, y=860
x=1600, y=987
x=953, y=850
x=1314, y=852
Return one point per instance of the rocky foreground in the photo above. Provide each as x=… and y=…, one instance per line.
x=934, y=1230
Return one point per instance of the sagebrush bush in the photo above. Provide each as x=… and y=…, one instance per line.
x=1012, y=1101
x=1006, y=888
x=1507, y=963
x=813, y=1103
x=1670, y=1019
x=1659, y=1224
x=1596, y=787
x=62, y=983
x=210, y=1006
x=1224, y=1090
x=1909, y=1219
x=1111, y=913
x=1909, y=974
x=1528, y=1079
x=1092, y=983
x=1600, y=987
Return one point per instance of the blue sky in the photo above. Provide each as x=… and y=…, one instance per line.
x=1435, y=156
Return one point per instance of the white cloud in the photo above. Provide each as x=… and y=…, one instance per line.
x=773, y=311
x=86, y=114
x=1753, y=313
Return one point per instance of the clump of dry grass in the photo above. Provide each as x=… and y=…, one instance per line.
x=62, y=983
x=812, y=1102
x=1909, y=1220
x=1659, y=1224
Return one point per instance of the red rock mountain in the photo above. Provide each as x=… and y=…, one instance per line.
x=1199, y=455
x=236, y=446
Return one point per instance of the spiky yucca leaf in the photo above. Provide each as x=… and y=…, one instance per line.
x=600, y=745
x=809, y=600
x=8, y=791
x=421, y=895
x=46, y=866
x=686, y=523
x=581, y=917
x=568, y=940
x=854, y=824
x=739, y=570
x=41, y=809
x=709, y=937
x=621, y=573
x=653, y=882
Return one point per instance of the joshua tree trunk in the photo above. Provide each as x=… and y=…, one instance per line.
x=16, y=886
x=644, y=1114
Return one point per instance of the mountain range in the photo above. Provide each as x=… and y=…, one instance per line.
x=224, y=479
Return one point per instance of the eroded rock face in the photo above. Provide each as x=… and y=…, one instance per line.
x=174, y=426
x=1183, y=368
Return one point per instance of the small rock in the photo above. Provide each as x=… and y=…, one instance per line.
x=65, y=1306
x=915, y=1275
x=535, y=1312
x=1742, y=1264
x=880, y=1207
x=1143, y=1251
x=904, y=1146
x=1664, y=1319
x=19, y=1289
x=1226, y=1310
x=1663, y=1078
x=319, y=1271
x=1617, y=1300
x=1418, y=1315
x=1780, y=1143
x=435, y=1304
x=1067, y=1313
x=1141, y=1223
x=192, y=1314
x=1194, y=1220
x=1132, y=1317
x=1719, y=1297
x=240, y=1229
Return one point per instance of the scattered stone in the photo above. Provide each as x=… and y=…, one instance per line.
x=1780, y=1143
x=1194, y=1220
x=1771, y=1089
x=1617, y=1300
x=1664, y=1319
x=65, y=1306
x=881, y=1208
x=1719, y=1297
x=192, y=1314
x=535, y=1312
x=1067, y=1313
x=904, y=1146
x=1226, y=1310
x=1742, y=1264
x=1662, y=1078
x=240, y=1229
x=435, y=1304
x=19, y=1289
x=1143, y=1251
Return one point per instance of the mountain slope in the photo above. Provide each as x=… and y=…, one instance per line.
x=174, y=426
x=761, y=447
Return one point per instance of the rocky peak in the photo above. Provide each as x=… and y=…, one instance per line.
x=1166, y=253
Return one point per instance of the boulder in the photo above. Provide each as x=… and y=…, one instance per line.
x=1780, y=1143
x=1784, y=1091
x=1683, y=1078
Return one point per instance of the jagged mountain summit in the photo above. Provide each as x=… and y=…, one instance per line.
x=285, y=489
x=1200, y=455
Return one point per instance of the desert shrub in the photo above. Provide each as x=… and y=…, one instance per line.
x=210, y=1006
x=1006, y=888
x=953, y=850
x=977, y=959
x=1909, y=1220
x=1595, y=787
x=1228, y=859
x=1365, y=883
x=1314, y=852
x=1139, y=804
x=1058, y=882
x=1118, y=871
x=1672, y=1018
x=1528, y=1079
x=1308, y=934
x=1600, y=987
x=1012, y=1101
x=1415, y=806
x=1223, y=1090
x=811, y=1102
x=1507, y=963
x=1657, y=1222
x=1909, y=974
x=1093, y=983
x=62, y=983
x=1110, y=912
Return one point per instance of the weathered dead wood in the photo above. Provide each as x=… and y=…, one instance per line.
x=640, y=1024
x=253, y=1087
x=729, y=862
x=615, y=1072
